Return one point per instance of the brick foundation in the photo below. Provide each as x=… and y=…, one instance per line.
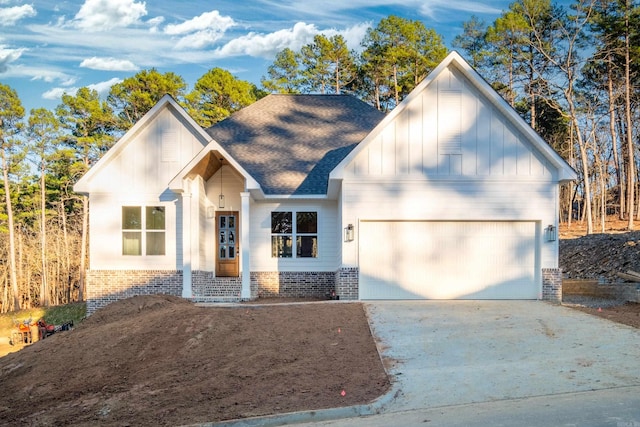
x=347, y=283
x=292, y=284
x=552, y=284
x=107, y=286
x=204, y=284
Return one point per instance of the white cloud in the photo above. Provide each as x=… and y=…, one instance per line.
x=201, y=31
x=154, y=23
x=198, y=40
x=11, y=15
x=56, y=93
x=102, y=88
x=267, y=45
x=8, y=56
x=211, y=21
x=108, y=64
x=354, y=35
x=102, y=15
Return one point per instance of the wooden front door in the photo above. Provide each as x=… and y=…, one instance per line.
x=227, y=244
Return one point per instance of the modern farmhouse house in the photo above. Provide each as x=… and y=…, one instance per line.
x=450, y=195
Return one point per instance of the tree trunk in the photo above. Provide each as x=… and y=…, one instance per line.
x=12, y=235
x=614, y=139
x=44, y=288
x=67, y=259
x=631, y=166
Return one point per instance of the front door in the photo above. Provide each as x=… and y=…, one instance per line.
x=227, y=247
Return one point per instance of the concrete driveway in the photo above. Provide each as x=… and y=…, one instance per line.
x=442, y=353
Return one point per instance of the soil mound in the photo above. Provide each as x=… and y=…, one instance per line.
x=600, y=256
x=159, y=360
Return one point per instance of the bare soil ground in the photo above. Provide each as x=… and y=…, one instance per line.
x=160, y=360
x=628, y=314
x=600, y=256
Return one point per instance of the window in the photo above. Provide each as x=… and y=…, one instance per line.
x=304, y=232
x=135, y=236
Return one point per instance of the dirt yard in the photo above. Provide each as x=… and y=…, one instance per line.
x=628, y=314
x=159, y=360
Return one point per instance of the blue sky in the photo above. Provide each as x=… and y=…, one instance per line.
x=50, y=47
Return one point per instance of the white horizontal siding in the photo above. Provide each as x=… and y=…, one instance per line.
x=328, y=239
x=106, y=233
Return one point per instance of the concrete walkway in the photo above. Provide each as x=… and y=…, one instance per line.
x=443, y=353
x=487, y=363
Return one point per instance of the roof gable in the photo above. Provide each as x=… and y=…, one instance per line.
x=290, y=143
x=455, y=96
x=169, y=148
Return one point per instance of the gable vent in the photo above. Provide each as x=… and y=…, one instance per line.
x=450, y=122
x=169, y=146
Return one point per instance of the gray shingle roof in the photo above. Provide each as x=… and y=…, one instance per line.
x=290, y=143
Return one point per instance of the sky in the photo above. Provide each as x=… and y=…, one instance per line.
x=49, y=47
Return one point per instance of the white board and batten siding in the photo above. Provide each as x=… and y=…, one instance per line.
x=449, y=201
x=260, y=231
x=137, y=176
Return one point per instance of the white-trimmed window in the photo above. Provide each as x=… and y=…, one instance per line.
x=143, y=227
x=285, y=231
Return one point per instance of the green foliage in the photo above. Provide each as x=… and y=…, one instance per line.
x=136, y=95
x=218, y=94
x=473, y=42
x=283, y=73
x=400, y=53
x=11, y=113
x=90, y=123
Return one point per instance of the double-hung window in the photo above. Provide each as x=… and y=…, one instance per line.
x=143, y=228
x=298, y=227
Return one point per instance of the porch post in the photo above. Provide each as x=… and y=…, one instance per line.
x=245, y=243
x=187, y=291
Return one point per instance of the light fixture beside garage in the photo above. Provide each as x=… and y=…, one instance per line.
x=550, y=233
x=348, y=233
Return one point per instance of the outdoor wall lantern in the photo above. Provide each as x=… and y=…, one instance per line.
x=348, y=233
x=550, y=233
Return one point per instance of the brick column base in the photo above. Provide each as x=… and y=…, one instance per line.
x=347, y=283
x=552, y=284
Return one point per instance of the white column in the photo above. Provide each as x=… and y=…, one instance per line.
x=245, y=244
x=187, y=291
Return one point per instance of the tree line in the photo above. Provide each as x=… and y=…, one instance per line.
x=571, y=72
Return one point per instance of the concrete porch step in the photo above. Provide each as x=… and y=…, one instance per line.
x=215, y=299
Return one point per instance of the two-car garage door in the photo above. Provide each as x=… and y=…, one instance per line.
x=447, y=260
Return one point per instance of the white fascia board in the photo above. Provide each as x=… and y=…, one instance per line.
x=176, y=183
x=255, y=195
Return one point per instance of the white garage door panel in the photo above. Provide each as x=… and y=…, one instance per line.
x=447, y=260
